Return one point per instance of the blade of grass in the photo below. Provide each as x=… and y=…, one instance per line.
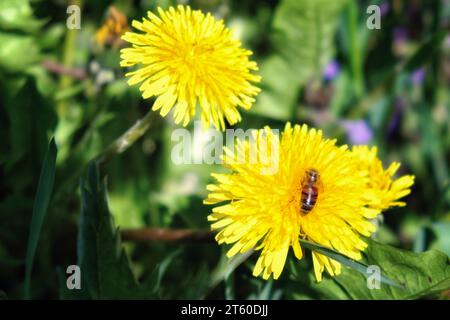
x=360, y=267
x=355, y=51
x=160, y=270
x=225, y=268
x=41, y=202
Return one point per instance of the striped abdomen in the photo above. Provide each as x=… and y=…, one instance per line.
x=310, y=191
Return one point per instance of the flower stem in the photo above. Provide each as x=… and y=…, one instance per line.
x=126, y=140
x=54, y=67
x=119, y=146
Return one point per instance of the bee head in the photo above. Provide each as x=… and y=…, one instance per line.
x=313, y=175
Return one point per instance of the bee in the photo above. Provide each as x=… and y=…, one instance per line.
x=310, y=190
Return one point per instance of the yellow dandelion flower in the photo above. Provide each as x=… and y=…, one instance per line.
x=384, y=190
x=189, y=57
x=270, y=212
x=113, y=28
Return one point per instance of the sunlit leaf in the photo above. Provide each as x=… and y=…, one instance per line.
x=302, y=37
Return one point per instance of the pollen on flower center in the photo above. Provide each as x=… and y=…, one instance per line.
x=195, y=58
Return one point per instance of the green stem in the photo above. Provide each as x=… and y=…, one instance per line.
x=127, y=139
x=67, y=61
x=355, y=49
x=119, y=146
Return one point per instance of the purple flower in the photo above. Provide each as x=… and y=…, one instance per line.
x=358, y=131
x=418, y=76
x=400, y=41
x=331, y=71
x=384, y=8
x=400, y=34
x=397, y=117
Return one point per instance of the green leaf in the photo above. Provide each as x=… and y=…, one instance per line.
x=17, y=15
x=105, y=268
x=198, y=286
x=226, y=266
x=422, y=274
x=355, y=265
x=302, y=37
x=30, y=119
x=441, y=231
x=52, y=36
x=17, y=52
x=266, y=292
x=155, y=278
x=44, y=82
x=355, y=50
x=41, y=202
x=206, y=281
x=106, y=273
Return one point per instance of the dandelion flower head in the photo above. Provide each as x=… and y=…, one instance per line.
x=384, y=190
x=264, y=211
x=189, y=59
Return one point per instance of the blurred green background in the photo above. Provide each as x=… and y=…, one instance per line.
x=320, y=64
